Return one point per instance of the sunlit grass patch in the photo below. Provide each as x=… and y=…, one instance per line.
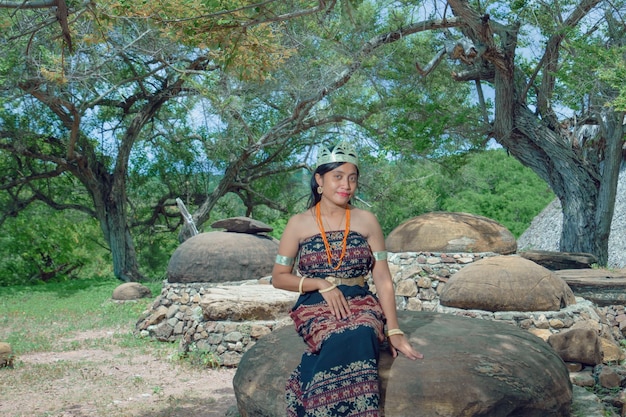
x=45, y=317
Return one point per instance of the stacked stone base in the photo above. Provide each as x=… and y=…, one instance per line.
x=226, y=341
x=583, y=314
x=177, y=315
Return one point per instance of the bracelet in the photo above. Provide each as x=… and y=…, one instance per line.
x=332, y=287
x=284, y=260
x=300, y=285
x=380, y=255
x=392, y=332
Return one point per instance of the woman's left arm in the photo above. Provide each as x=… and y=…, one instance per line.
x=386, y=294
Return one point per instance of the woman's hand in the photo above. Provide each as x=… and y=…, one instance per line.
x=400, y=343
x=337, y=303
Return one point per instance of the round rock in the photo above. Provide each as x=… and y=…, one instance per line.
x=222, y=257
x=131, y=291
x=6, y=355
x=471, y=367
x=451, y=232
x=506, y=283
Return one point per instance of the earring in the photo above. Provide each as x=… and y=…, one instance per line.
x=319, y=189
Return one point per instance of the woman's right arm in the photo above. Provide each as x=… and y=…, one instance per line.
x=282, y=275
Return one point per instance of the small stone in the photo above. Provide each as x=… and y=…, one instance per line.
x=6, y=355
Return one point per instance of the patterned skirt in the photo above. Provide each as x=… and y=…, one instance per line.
x=338, y=374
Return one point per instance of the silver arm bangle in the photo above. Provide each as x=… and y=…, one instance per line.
x=284, y=260
x=380, y=255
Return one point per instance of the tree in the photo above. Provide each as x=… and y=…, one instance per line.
x=343, y=82
x=80, y=105
x=93, y=132
x=42, y=244
x=398, y=190
x=579, y=158
x=124, y=89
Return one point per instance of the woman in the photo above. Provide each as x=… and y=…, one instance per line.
x=337, y=245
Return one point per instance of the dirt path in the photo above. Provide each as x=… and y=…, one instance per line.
x=113, y=381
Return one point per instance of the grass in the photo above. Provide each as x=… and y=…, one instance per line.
x=76, y=352
x=35, y=318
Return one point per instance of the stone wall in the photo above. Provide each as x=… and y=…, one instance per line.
x=419, y=277
x=177, y=315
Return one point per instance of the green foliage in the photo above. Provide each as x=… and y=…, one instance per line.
x=614, y=73
x=278, y=226
x=155, y=246
x=490, y=184
x=397, y=191
x=580, y=73
x=496, y=185
x=190, y=142
x=41, y=244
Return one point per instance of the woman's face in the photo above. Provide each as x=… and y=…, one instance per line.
x=339, y=184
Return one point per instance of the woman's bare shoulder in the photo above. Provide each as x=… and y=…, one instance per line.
x=302, y=217
x=362, y=215
x=363, y=221
x=302, y=225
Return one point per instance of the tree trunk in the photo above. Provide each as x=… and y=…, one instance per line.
x=115, y=228
x=580, y=233
x=108, y=190
x=586, y=191
x=612, y=130
x=108, y=193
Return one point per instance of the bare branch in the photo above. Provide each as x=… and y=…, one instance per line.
x=303, y=108
x=43, y=197
x=39, y=4
x=550, y=60
x=32, y=177
x=260, y=198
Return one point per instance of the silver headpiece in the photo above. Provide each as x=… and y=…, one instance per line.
x=342, y=152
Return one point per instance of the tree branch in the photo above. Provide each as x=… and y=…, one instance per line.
x=39, y=4
x=550, y=62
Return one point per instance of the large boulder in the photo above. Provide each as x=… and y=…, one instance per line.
x=451, y=232
x=222, y=257
x=506, y=283
x=470, y=368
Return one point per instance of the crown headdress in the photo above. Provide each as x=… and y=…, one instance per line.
x=342, y=152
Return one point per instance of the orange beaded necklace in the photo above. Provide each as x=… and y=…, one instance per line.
x=329, y=254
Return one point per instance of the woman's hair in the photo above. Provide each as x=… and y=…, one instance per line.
x=315, y=197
